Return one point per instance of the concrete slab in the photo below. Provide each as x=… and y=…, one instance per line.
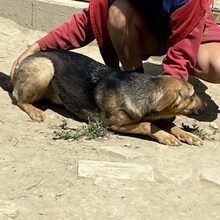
x=115, y=170
x=48, y=14
x=17, y=10
x=42, y=15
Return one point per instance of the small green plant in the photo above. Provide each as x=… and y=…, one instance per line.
x=96, y=129
x=195, y=129
x=93, y=130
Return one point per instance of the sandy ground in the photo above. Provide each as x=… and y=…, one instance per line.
x=38, y=175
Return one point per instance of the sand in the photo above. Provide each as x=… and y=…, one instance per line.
x=39, y=177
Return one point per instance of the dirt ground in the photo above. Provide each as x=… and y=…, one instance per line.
x=39, y=178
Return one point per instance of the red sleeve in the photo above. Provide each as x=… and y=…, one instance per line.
x=182, y=56
x=74, y=33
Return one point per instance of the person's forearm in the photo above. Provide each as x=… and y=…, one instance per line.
x=74, y=33
x=35, y=47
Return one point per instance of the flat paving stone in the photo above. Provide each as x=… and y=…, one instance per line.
x=115, y=170
x=121, y=152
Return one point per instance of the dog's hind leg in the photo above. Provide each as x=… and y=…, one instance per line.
x=32, y=82
x=34, y=113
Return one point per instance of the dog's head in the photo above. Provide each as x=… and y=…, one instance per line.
x=178, y=97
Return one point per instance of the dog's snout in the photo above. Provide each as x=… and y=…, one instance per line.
x=200, y=105
x=203, y=106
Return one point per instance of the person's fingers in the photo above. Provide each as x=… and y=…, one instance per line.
x=14, y=66
x=32, y=49
x=18, y=61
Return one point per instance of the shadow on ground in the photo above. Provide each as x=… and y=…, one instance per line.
x=211, y=111
x=4, y=81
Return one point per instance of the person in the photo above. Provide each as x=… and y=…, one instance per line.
x=130, y=31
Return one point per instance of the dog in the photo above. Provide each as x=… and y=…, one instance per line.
x=130, y=103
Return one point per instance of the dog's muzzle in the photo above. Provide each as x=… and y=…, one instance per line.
x=199, y=106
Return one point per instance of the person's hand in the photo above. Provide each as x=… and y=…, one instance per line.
x=32, y=49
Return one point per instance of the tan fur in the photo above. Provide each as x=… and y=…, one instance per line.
x=34, y=83
x=24, y=88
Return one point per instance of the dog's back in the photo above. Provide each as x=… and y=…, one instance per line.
x=63, y=77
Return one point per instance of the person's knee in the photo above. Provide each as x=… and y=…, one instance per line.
x=118, y=15
x=208, y=63
x=209, y=70
x=214, y=70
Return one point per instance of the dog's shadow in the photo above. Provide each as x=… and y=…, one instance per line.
x=4, y=81
x=210, y=112
x=59, y=109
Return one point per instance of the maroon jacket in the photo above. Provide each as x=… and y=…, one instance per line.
x=187, y=26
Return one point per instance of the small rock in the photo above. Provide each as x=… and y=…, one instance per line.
x=211, y=175
x=122, y=152
x=214, y=125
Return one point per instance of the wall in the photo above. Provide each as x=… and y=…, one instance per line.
x=39, y=14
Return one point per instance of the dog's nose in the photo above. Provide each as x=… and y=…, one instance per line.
x=201, y=109
x=199, y=106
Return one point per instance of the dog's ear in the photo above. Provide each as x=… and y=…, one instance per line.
x=167, y=100
x=186, y=93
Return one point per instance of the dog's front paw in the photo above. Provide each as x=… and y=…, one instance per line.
x=168, y=139
x=189, y=138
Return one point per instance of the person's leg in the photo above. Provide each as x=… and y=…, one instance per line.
x=208, y=62
x=130, y=34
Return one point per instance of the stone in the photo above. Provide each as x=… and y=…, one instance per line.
x=115, y=170
x=214, y=125
x=210, y=174
x=121, y=152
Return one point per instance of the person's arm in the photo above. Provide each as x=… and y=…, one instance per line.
x=30, y=50
x=74, y=33
x=187, y=24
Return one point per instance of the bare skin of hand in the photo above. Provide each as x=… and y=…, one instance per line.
x=32, y=49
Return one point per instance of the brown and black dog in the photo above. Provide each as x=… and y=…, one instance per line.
x=125, y=102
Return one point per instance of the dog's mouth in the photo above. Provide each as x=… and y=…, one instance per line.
x=200, y=106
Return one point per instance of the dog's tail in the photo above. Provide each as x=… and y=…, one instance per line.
x=6, y=82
